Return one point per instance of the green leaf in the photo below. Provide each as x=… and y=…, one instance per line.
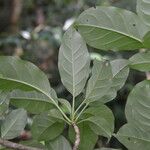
x=135, y=134
x=74, y=61
x=32, y=101
x=100, y=120
x=111, y=28
x=4, y=102
x=100, y=81
x=134, y=137
x=146, y=40
x=65, y=105
x=47, y=127
x=19, y=74
x=143, y=7
x=120, y=72
x=13, y=124
x=59, y=143
x=140, y=61
x=138, y=105
x=87, y=136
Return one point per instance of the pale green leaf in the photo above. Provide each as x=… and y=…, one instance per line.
x=74, y=61
x=134, y=138
x=87, y=136
x=59, y=143
x=138, y=105
x=120, y=72
x=140, y=61
x=34, y=102
x=110, y=28
x=100, y=81
x=47, y=127
x=13, y=124
x=143, y=10
x=114, y=77
x=4, y=103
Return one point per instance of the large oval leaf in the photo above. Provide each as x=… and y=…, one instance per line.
x=135, y=134
x=134, y=137
x=19, y=74
x=111, y=28
x=140, y=61
x=138, y=105
x=73, y=62
x=13, y=124
x=143, y=10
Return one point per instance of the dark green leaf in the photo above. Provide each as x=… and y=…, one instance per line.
x=100, y=120
x=146, y=40
x=46, y=127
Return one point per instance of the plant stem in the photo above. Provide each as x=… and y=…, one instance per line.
x=16, y=146
x=79, y=107
x=81, y=112
x=67, y=119
x=77, y=139
x=73, y=108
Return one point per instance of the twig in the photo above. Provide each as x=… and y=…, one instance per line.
x=16, y=146
x=77, y=139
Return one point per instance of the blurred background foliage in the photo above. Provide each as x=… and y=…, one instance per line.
x=33, y=29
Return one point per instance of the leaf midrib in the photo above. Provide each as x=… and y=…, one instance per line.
x=32, y=99
x=112, y=30
x=34, y=87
